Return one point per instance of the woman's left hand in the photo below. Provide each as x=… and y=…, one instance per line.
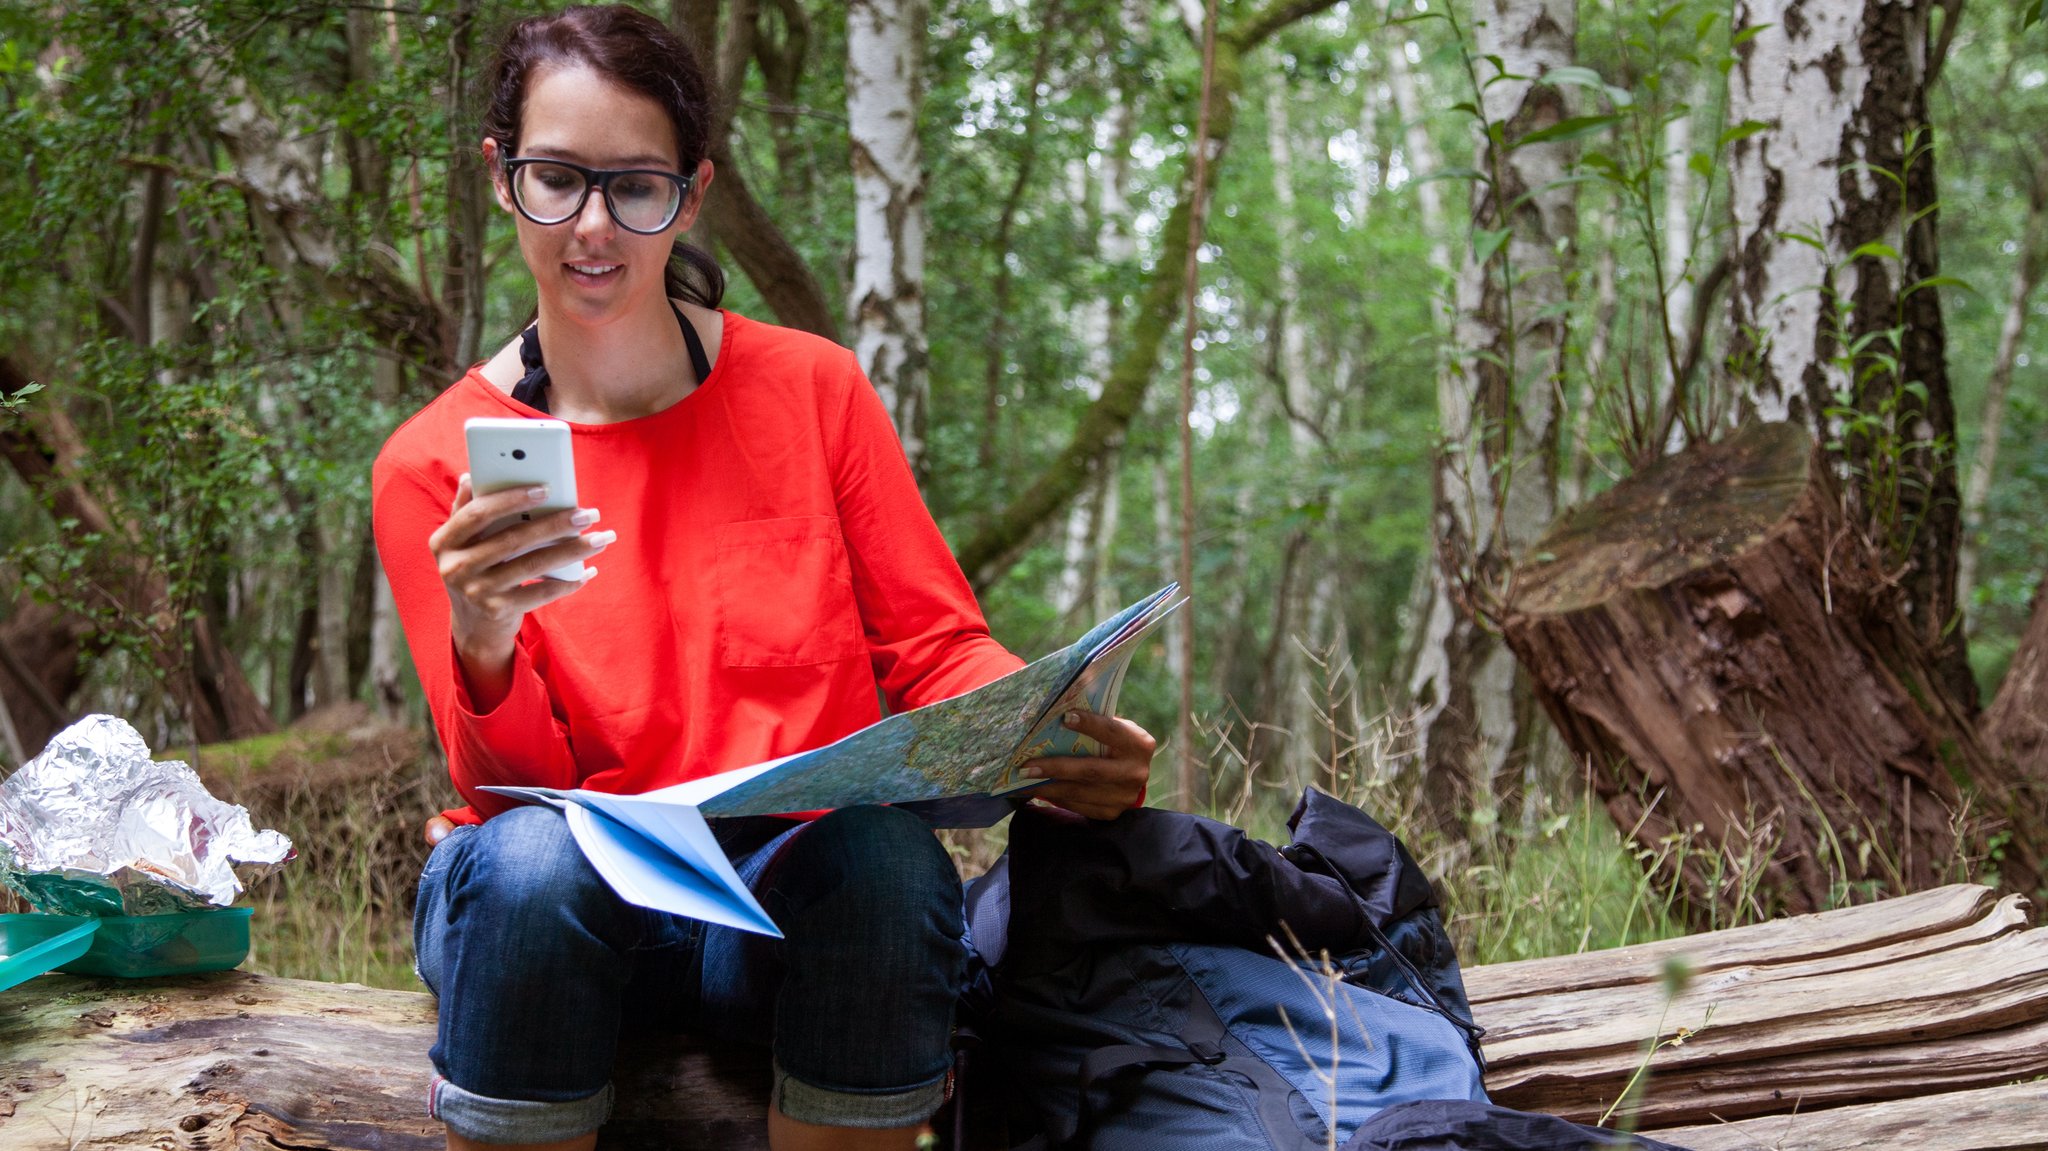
x=1099, y=786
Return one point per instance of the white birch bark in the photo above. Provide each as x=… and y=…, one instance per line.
x=1606, y=299
x=330, y=662
x=387, y=652
x=1091, y=521
x=10, y=738
x=2026, y=276
x=387, y=637
x=1372, y=168
x=1677, y=227
x=1420, y=153
x=1497, y=404
x=884, y=57
x=1166, y=546
x=1840, y=88
x=1804, y=82
x=1289, y=695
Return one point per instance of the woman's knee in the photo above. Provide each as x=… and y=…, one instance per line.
x=524, y=862
x=883, y=859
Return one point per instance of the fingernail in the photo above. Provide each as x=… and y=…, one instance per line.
x=589, y=573
x=1071, y=719
x=1033, y=773
x=462, y=479
x=601, y=540
x=537, y=494
x=584, y=517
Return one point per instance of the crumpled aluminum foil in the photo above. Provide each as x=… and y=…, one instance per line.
x=93, y=826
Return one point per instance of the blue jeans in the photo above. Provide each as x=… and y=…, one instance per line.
x=539, y=966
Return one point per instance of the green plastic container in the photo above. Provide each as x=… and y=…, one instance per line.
x=180, y=943
x=33, y=944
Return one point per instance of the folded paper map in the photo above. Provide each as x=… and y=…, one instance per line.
x=954, y=762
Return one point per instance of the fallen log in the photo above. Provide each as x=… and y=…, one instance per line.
x=1822, y=1010
x=1844, y=1020
x=1714, y=639
x=2014, y=1117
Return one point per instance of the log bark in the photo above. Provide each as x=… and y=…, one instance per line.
x=1709, y=635
x=2004, y=1117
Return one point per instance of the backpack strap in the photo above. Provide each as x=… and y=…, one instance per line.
x=1201, y=1044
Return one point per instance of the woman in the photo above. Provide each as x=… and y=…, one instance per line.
x=767, y=566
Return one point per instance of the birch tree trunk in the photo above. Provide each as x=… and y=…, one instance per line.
x=884, y=54
x=1496, y=478
x=1282, y=695
x=1844, y=163
x=1420, y=152
x=2026, y=276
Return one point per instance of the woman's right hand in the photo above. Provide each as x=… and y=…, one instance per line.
x=489, y=590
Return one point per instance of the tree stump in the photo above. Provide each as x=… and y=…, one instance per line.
x=1716, y=643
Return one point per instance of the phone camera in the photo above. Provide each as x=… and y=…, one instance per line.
x=518, y=453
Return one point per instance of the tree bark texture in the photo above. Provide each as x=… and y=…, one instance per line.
x=1497, y=473
x=1757, y=709
x=1844, y=164
x=884, y=66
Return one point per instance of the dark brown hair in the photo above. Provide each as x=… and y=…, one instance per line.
x=638, y=53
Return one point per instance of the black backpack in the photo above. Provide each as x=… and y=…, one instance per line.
x=1125, y=993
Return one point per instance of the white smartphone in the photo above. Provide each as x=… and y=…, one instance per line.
x=517, y=453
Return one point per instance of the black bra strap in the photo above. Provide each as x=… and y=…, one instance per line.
x=532, y=388
x=699, y=362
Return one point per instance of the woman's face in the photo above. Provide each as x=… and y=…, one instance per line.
x=588, y=268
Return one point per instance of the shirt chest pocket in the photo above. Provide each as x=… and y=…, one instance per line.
x=785, y=594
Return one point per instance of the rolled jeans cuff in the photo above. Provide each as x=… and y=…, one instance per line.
x=870, y=1110
x=487, y=1120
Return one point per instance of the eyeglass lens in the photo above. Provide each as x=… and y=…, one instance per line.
x=551, y=193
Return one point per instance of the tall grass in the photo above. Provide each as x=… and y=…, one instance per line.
x=353, y=798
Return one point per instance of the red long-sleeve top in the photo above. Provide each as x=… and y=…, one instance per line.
x=775, y=567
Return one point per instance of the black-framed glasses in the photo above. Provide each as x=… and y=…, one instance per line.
x=643, y=200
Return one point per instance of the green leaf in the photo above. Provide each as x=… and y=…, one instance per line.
x=1745, y=35
x=1454, y=174
x=1706, y=25
x=1701, y=164
x=1575, y=76
x=1742, y=131
x=1606, y=165
x=1486, y=242
x=1569, y=128
x=1875, y=248
x=1937, y=282
x=2032, y=14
